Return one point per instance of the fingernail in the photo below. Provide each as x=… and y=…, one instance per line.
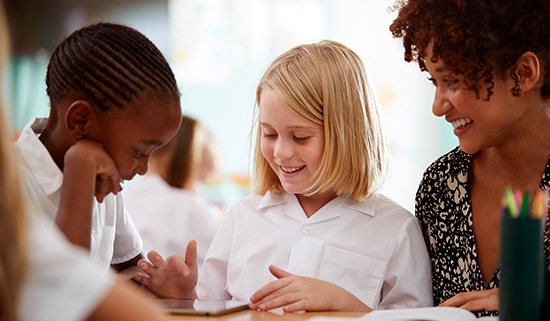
x=143, y=266
x=262, y=307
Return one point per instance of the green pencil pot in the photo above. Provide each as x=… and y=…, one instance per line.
x=522, y=267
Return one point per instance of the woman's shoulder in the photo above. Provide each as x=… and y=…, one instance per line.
x=455, y=162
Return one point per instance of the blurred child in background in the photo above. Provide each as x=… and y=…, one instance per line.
x=166, y=205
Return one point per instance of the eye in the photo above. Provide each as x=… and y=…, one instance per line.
x=452, y=81
x=301, y=139
x=269, y=135
x=138, y=154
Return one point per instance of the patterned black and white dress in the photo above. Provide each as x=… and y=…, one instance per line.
x=444, y=210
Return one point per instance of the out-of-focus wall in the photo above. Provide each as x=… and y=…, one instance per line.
x=219, y=50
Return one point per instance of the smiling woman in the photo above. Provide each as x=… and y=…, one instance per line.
x=490, y=63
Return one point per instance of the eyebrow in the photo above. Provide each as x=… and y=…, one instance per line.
x=152, y=142
x=293, y=127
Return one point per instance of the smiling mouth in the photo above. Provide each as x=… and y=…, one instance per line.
x=461, y=122
x=291, y=169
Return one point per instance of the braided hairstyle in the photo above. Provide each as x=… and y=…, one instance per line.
x=110, y=64
x=476, y=38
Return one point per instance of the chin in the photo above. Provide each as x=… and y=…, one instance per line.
x=469, y=149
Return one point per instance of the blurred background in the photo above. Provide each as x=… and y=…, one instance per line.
x=219, y=50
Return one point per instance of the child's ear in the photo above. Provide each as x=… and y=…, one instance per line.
x=78, y=119
x=528, y=71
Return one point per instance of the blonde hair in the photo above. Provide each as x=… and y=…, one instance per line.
x=190, y=147
x=13, y=240
x=326, y=83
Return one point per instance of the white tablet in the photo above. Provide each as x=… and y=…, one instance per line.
x=202, y=307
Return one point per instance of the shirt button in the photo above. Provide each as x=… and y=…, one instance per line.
x=305, y=230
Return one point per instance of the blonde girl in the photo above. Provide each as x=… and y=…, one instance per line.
x=316, y=234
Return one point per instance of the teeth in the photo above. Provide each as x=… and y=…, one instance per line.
x=291, y=169
x=461, y=122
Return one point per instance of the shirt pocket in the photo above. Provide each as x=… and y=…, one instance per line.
x=360, y=275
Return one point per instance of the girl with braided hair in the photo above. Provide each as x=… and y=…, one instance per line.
x=114, y=100
x=490, y=63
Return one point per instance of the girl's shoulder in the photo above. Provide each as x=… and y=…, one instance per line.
x=254, y=202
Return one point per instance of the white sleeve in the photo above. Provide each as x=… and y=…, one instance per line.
x=408, y=281
x=212, y=283
x=61, y=283
x=128, y=243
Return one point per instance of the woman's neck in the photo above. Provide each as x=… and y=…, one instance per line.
x=522, y=159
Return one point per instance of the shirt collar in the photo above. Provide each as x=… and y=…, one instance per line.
x=332, y=209
x=37, y=157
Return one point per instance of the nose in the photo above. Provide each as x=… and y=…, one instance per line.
x=142, y=165
x=441, y=104
x=282, y=150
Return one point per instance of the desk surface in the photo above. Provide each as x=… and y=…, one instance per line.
x=276, y=315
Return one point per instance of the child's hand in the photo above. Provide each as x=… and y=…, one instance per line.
x=475, y=301
x=295, y=293
x=173, y=278
x=87, y=170
x=91, y=156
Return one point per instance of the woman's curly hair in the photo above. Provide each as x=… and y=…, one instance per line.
x=476, y=38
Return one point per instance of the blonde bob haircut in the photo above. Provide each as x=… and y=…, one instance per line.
x=326, y=83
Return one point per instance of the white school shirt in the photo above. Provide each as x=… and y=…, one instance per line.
x=60, y=284
x=114, y=237
x=373, y=249
x=167, y=217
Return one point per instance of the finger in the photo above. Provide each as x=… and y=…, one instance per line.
x=141, y=279
x=278, y=273
x=178, y=262
x=154, y=257
x=103, y=187
x=145, y=266
x=268, y=291
x=191, y=255
x=116, y=185
x=460, y=299
x=278, y=301
x=301, y=305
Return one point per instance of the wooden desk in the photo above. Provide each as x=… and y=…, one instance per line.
x=275, y=315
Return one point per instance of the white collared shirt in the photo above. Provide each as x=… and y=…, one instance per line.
x=374, y=249
x=114, y=237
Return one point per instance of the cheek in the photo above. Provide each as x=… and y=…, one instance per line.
x=266, y=148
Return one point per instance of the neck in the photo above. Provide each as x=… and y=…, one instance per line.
x=312, y=204
x=522, y=158
x=56, y=142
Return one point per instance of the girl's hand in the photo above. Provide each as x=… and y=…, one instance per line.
x=294, y=293
x=91, y=156
x=475, y=301
x=87, y=170
x=174, y=278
